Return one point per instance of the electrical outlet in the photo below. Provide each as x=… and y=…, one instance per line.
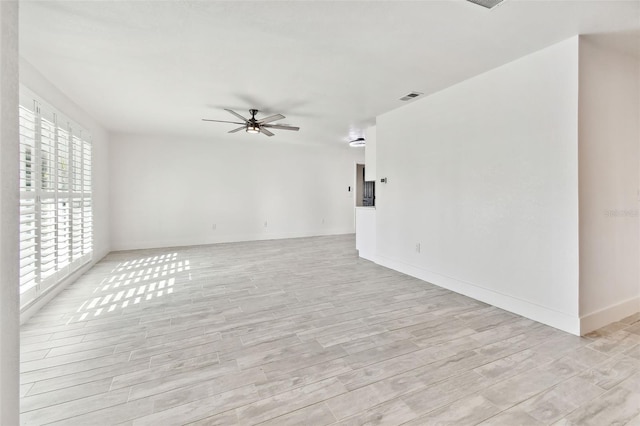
x=265, y=223
x=213, y=227
x=323, y=220
x=417, y=247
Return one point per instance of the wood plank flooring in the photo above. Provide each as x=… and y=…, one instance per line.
x=303, y=332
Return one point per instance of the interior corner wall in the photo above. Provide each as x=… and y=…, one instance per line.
x=609, y=133
x=35, y=81
x=484, y=176
x=177, y=191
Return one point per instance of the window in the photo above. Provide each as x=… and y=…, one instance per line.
x=56, y=215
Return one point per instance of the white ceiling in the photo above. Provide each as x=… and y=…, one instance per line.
x=330, y=67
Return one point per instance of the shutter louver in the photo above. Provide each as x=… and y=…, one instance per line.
x=48, y=237
x=76, y=204
x=87, y=205
x=28, y=225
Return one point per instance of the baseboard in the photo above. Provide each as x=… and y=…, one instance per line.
x=517, y=306
x=32, y=308
x=613, y=313
x=367, y=255
x=235, y=238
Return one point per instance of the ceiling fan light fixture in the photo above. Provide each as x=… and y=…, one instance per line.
x=253, y=125
x=357, y=142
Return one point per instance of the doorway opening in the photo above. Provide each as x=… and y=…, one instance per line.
x=365, y=190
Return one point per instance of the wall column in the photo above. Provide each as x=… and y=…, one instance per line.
x=9, y=217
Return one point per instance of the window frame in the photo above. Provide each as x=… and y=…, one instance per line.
x=56, y=197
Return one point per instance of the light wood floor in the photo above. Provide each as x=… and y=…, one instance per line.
x=303, y=332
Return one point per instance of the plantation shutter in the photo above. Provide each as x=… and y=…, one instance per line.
x=56, y=217
x=77, y=201
x=28, y=225
x=87, y=204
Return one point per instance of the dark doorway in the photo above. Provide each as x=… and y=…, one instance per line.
x=368, y=192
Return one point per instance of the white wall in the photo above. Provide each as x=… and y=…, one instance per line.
x=169, y=191
x=370, y=154
x=484, y=175
x=366, y=232
x=608, y=157
x=38, y=84
x=9, y=221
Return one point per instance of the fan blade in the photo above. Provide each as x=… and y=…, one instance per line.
x=221, y=121
x=265, y=131
x=236, y=114
x=271, y=118
x=281, y=126
x=237, y=130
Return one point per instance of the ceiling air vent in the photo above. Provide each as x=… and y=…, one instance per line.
x=410, y=96
x=489, y=4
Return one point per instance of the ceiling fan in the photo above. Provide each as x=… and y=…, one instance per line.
x=253, y=125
